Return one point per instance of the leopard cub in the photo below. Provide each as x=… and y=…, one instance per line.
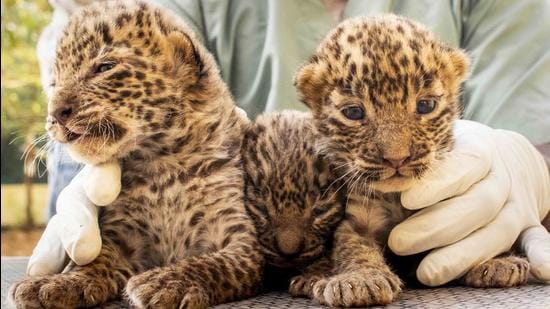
x=383, y=92
x=290, y=193
x=133, y=83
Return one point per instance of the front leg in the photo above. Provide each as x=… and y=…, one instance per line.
x=205, y=280
x=84, y=286
x=362, y=277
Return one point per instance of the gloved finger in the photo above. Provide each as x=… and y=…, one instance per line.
x=48, y=257
x=444, y=223
x=468, y=162
x=102, y=182
x=529, y=168
x=451, y=262
x=78, y=226
x=535, y=242
x=242, y=114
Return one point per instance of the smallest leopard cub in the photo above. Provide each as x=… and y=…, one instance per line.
x=290, y=193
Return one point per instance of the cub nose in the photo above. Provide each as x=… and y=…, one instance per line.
x=289, y=243
x=397, y=161
x=63, y=114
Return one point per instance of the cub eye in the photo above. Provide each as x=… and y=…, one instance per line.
x=354, y=112
x=318, y=211
x=425, y=106
x=104, y=67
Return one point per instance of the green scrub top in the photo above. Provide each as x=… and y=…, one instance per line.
x=259, y=45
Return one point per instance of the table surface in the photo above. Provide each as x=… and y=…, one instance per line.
x=533, y=295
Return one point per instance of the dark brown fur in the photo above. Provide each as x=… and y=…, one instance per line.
x=290, y=191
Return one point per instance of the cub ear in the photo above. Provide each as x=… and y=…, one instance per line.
x=184, y=53
x=461, y=63
x=311, y=83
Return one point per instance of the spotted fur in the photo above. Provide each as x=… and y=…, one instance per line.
x=290, y=191
x=133, y=83
x=383, y=66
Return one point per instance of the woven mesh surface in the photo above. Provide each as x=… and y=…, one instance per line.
x=535, y=296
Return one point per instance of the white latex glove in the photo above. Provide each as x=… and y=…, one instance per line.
x=242, y=114
x=74, y=231
x=493, y=186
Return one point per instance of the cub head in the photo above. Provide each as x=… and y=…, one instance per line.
x=384, y=94
x=126, y=73
x=289, y=192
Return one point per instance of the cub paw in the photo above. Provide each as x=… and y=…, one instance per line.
x=358, y=289
x=24, y=294
x=157, y=289
x=302, y=285
x=498, y=273
x=58, y=291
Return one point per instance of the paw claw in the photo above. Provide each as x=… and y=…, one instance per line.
x=59, y=291
x=362, y=288
x=498, y=272
x=302, y=285
x=164, y=290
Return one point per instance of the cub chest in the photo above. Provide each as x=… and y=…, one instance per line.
x=375, y=216
x=155, y=228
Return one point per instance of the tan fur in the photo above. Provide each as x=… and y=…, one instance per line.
x=178, y=236
x=367, y=86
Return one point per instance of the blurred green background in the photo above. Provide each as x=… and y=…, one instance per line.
x=24, y=191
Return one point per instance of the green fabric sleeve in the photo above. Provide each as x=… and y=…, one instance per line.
x=190, y=11
x=509, y=86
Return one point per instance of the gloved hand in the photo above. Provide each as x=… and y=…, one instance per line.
x=74, y=231
x=492, y=187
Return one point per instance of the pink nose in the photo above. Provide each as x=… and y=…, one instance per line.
x=395, y=162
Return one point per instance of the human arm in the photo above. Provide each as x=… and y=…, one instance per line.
x=508, y=44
